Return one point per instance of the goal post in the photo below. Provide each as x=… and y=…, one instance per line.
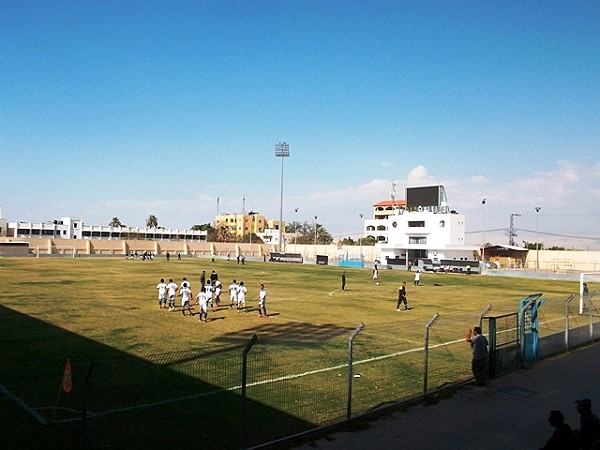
x=589, y=283
x=66, y=251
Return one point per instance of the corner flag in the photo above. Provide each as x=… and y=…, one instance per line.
x=67, y=381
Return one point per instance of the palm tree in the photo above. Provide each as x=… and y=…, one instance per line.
x=115, y=223
x=223, y=234
x=152, y=221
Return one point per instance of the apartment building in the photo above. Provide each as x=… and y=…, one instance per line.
x=75, y=228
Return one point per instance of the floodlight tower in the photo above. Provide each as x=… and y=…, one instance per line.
x=483, y=243
x=282, y=150
x=537, y=237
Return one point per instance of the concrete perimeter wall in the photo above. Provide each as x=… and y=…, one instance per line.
x=550, y=261
x=558, y=343
x=222, y=250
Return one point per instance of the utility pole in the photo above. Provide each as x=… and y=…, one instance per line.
x=537, y=237
x=511, y=231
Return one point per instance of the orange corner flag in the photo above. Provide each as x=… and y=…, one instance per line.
x=67, y=381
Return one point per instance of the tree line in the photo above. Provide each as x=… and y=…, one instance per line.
x=304, y=233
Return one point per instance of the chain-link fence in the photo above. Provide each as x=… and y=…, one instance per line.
x=259, y=391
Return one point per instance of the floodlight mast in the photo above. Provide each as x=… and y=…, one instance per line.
x=482, y=269
x=282, y=150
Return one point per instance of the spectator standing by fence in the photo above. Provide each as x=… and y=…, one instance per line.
x=479, y=348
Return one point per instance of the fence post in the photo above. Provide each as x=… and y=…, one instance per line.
x=525, y=305
x=426, y=352
x=244, y=376
x=567, y=302
x=590, y=308
x=350, y=375
x=86, y=379
x=483, y=313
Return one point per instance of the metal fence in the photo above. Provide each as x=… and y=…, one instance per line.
x=245, y=395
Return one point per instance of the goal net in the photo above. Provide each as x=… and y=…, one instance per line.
x=589, y=290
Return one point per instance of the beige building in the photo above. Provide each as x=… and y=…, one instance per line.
x=239, y=226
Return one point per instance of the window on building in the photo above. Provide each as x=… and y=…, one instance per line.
x=417, y=240
x=416, y=223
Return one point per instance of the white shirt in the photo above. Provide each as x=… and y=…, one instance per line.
x=202, y=298
x=233, y=291
x=172, y=288
x=162, y=289
x=185, y=294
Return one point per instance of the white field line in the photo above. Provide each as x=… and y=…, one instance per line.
x=19, y=401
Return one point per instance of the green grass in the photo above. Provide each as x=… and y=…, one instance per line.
x=106, y=311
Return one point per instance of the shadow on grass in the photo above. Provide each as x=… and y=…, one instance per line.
x=180, y=400
x=293, y=334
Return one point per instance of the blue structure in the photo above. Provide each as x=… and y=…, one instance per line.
x=346, y=260
x=528, y=321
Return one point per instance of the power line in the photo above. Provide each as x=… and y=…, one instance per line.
x=591, y=238
x=573, y=236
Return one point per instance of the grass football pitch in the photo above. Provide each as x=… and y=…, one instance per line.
x=148, y=361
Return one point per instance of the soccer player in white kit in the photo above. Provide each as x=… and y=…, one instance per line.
x=162, y=293
x=202, y=304
x=233, y=292
x=241, y=296
x=209, y=295
x=171, y=291
x=186, y=295
x=262, y=301
x=218, y=289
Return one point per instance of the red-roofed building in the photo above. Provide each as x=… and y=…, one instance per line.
x=421, y=229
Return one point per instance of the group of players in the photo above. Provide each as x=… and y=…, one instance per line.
x=209, y=296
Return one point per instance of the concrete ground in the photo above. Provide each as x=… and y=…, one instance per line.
x=509, y=413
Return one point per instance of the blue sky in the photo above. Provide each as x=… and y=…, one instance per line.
x=127, y=108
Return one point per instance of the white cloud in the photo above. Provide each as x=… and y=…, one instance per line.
x=419, y=177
